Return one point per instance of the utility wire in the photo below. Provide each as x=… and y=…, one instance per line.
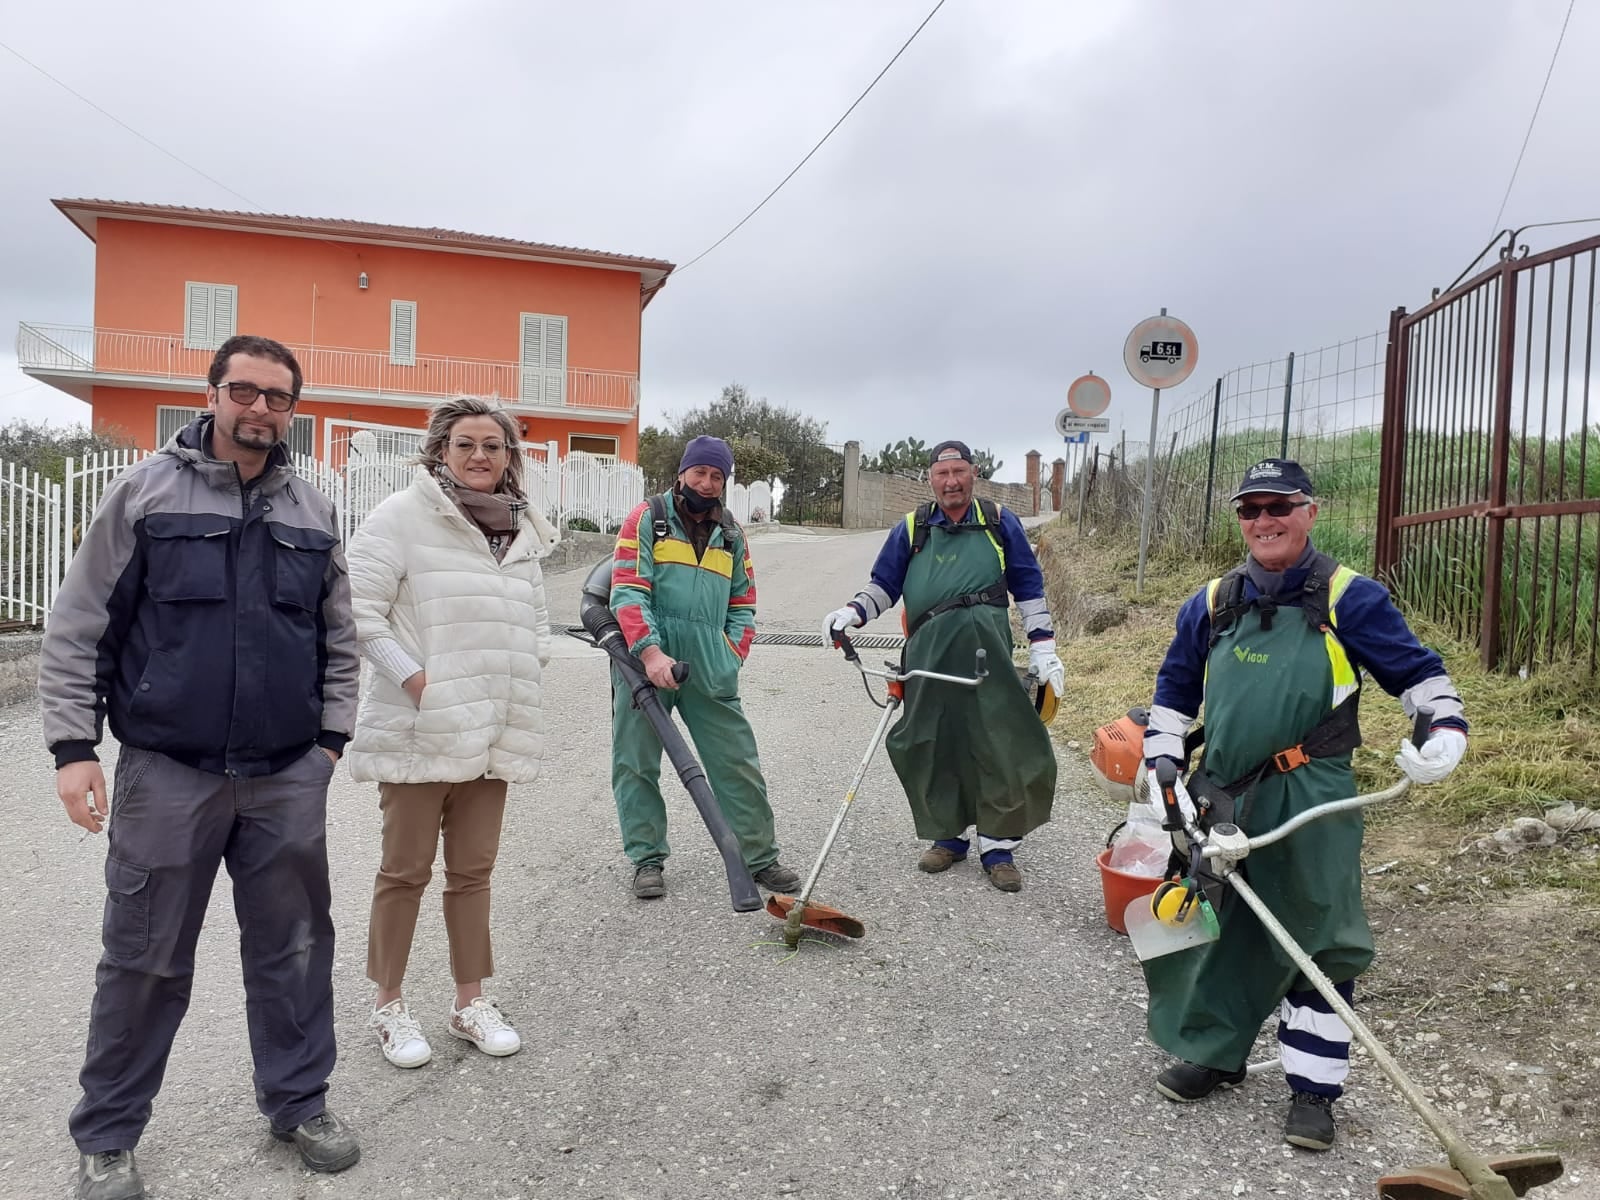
x=818, y=146
x=1525, y=137
x=110, y=117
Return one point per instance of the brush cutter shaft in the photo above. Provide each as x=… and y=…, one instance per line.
x=1486, y=1185
x=791, y=926
x=1311, y=814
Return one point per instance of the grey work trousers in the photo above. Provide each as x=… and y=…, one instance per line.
x=171, y=826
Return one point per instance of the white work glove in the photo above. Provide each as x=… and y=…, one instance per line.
x=1044, y=666
x=1153, y=795
x=1437, y=758
x=839, y=619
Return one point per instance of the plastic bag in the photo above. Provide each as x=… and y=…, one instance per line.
x=1141, y=846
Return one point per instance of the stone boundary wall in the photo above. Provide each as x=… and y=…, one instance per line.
x=873, y=500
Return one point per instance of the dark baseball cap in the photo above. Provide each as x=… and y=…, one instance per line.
x=951, y=449
x=1278, y=476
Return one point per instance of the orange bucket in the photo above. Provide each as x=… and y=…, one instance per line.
x=1120, y=887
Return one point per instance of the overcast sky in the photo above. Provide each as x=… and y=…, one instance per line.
x=1028, y=181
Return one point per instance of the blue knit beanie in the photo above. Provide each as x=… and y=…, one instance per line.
x=707, y=452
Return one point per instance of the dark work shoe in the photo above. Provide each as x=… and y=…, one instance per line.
x=1005, y=876
x=1310, y=1122
x=326, y=1144
x=1188, y=1082
x=648, y=883
x=938, y=858
x=778, y=878
x=109, y=1175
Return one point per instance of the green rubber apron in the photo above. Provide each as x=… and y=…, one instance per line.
x=967, y=756
x=1265, y=690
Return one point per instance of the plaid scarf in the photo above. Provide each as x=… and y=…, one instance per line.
x=497, y=514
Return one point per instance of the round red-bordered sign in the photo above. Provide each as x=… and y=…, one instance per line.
x=1089, y=395
x=1160, y=352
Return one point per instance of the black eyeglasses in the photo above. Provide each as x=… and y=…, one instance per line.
x=1273, y=508
x=244, y=393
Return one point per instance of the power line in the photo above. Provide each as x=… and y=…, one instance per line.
x=1525, y=137
x=818, y=146
x=110, y=117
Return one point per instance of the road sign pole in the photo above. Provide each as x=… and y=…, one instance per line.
x=1149, y=487
x=1083, y=480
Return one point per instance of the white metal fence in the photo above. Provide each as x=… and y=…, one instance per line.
x=42, y=521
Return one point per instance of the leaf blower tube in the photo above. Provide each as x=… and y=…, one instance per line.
x=594, y=611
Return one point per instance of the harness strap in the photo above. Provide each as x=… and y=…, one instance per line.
x=994, y=595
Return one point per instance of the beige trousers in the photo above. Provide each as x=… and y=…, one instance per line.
x=414, y=814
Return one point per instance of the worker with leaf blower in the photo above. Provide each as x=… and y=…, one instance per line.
x=967, y=758
x=682, y=587
x=1275, y=649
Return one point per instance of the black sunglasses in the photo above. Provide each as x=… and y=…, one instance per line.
x=244, y=393
x=1273, y=508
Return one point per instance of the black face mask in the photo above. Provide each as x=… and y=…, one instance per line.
x=696, y=503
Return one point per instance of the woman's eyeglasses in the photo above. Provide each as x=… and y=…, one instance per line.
x=1274, y=508
x=468, y=448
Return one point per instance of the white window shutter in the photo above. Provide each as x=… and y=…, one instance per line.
x=197, y=317
x=403, y=333
x=555, y=361
x=224, y=313
x=532, y=358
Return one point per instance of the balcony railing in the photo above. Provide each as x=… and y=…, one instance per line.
x=83, y=350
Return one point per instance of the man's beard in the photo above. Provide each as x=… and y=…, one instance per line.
x=253, y=437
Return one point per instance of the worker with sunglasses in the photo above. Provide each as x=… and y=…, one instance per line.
x=1275, y=650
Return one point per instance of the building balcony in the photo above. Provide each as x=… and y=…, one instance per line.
x=77, y=358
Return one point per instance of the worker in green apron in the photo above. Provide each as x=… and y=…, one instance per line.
x=682, y=587
x=968, y=758
x=1274, y=650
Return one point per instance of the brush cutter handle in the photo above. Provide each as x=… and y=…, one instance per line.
x=842, y=640
x=680, y=672
x=1421, y=727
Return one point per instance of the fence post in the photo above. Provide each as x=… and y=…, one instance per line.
x=1494, y=542
x=1391, y=445
x=1288, y=388
x=1211, y=462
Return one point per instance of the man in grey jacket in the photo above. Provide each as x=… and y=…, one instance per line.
x=207, y=615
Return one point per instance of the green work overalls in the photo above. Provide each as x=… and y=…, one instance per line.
x=689, y=597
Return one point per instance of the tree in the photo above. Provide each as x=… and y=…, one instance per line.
x=909, y=456
x=45, y=448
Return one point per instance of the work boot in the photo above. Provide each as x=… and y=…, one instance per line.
x=109, y=1175
x=1005, y=876
x=647, y=882
x=326, y=1144
x=1310, y=1122
x=1188, y=1082
x=938, y=858
x=778, y=878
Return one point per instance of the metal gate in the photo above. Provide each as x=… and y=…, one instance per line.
x=1489, y=489
x=813, y=486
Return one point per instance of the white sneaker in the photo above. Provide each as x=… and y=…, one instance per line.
x=482, y=1024
x=400, y=1035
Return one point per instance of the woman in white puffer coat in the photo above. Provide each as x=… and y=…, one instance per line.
x=451, y=615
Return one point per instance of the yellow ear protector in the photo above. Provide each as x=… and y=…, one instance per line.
x=1045, y=700
x=1173, y=903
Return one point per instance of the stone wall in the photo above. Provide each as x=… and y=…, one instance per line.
x=19, y=666
x=873, y=500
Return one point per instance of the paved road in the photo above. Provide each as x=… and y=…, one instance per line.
x=973, y=1045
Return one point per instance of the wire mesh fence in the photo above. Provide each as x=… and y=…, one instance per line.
x=1322, y=408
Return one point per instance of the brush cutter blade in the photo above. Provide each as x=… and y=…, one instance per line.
x=1440, y=1182
x=818, y=916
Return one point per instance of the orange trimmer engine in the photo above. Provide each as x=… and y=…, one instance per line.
x=1118, y=755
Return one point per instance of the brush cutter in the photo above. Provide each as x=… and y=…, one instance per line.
x=594, y=610
x=1469, y=1176
x=796, y=912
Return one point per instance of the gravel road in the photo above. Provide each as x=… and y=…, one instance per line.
x=974, y=1044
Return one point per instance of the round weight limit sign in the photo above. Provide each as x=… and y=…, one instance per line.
x=1160, y=352
x=1089, y=396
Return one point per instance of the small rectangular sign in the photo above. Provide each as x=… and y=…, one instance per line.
x=1075, y=439
x=1066, y=425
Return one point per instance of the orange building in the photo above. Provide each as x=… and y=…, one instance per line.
x=384, y=319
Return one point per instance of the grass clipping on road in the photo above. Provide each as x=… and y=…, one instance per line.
x=1535, y=743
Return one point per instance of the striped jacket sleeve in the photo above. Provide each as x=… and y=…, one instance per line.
x=740, y=625
x=632, y=573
